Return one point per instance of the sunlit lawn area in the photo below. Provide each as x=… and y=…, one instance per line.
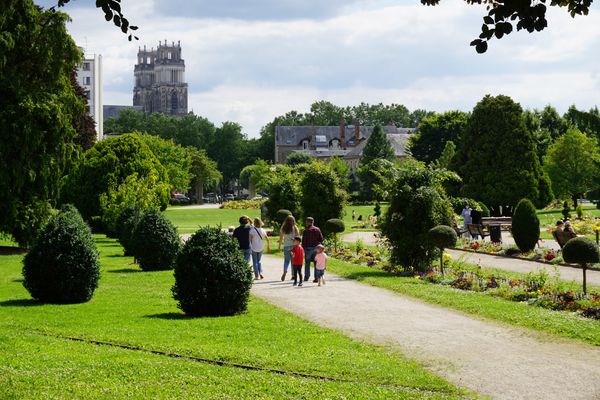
x=135, y=308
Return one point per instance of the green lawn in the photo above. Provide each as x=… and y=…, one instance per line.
x=188, y=220
x=135, y=308
x=549, y=218
x=477, y=304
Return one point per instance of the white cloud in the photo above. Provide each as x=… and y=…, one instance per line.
x=250, y=70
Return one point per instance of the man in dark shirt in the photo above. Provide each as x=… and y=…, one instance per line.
x=311, y=238
x=242, y=235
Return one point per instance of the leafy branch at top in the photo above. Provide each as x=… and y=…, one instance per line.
x=504, y=15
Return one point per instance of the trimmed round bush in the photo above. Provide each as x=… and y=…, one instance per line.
x=126, y=222
x=582, y=251
x=334, y=225
x=211, y=276
x=442, y=236
x=155, y=242
x=62, y=266
x=525, y=226
x=281, y=215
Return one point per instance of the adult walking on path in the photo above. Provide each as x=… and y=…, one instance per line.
x=258, y=238
x=311, y=238
x=242, y=235
x=496, y=360
x=289, y=230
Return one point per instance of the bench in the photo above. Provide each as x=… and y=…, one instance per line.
x=459, y=231
x=476, y=230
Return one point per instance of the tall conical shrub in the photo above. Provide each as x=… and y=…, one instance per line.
x=62, y=266
x=525, y=226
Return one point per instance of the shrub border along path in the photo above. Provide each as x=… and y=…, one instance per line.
x=500, y=361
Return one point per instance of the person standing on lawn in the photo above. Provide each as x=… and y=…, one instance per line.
x=311, y=238
x=297, y=260
x=258, y=238
x=289, y=230
x=242, y=235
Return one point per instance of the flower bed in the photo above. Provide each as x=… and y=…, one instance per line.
x=536, y=289
x=549, y=256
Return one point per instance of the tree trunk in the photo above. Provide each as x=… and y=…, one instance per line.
x=251, y=189
x=584, y=278
x=442, y=260
x=574, y=198
x=199, y=191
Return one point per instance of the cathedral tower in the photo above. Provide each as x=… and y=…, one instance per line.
x=160, y=80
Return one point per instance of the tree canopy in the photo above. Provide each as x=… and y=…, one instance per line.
x=378, y=147
x=573, y=164
x=37, y=106
x=435, y=131
x=497, y=159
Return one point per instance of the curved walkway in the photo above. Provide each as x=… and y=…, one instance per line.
x=500, y=361
x=505, y=263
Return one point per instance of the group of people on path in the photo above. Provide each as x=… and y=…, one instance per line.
x=302, y=250
x=298, y=250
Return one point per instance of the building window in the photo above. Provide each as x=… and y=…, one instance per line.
x=87, y=94
x=305, y=145
x=169, y=55
x=87, y=80
x=174, y=102
x=86, y=66
x=147, y=60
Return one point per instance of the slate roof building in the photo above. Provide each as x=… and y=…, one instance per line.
x=345, y=141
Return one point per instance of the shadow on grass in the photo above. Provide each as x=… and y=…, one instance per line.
x=124, y=271
x=11, y=251
x=18, y=280
x=21, y=303
x=169, y=316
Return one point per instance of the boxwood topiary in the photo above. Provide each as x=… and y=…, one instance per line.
x=282, y=215
x=582, y=251
x=155, y=242
x=334, y=226
x=442, y=236
x=62, y=266
x=525, y=226
x=211, y=276
x=126, y=222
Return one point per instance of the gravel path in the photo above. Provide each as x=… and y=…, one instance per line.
x=499, y=361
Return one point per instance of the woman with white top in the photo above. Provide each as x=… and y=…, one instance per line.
x=258, y=237
x=289, y=230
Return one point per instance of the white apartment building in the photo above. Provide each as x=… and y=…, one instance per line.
x=89, y=76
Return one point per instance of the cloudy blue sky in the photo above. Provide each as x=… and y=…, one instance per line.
x=250, y=60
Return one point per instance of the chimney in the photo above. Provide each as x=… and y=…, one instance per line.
x=356, y=132
x=342, y=133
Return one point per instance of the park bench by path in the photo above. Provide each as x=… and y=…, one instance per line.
x=476, y=230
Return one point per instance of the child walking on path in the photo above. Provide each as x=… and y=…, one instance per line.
x=321, y=264
x=297, y=260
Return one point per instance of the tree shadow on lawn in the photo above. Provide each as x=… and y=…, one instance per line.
x=21, y=303
x=169, y=316
x=124, y=271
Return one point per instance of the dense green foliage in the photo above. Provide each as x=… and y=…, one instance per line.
x=418, y=203
x=445, y=159
x=211, y=276
x=155, y=242
x=573, y=164
x=176, y=159
x=37, y=106
x=321, y=195
x=378, y=147
x=281, y=215
x=284, y=193
x=586, y=121
x=435, y=131
x=581, y=250
x=125, y=226
x=298, y=158
x=375, y=178
x=497, y=159
x=62, y=265
x=525, y=226
x=333, y=226
x=107, y=165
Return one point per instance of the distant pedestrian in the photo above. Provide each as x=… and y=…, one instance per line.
x=297, y=260
x=353, y=215
x=320, y=264
x=242, y=235
x=289, y=230
x=467, y=219
x=258, y=238
x=311, y=238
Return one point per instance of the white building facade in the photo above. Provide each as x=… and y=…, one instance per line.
x=89, y=76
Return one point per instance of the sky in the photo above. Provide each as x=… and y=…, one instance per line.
x=250, y=60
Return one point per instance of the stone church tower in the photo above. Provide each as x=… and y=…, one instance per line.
x=160, y=80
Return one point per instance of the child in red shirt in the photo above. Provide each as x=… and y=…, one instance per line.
x=297, y=260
